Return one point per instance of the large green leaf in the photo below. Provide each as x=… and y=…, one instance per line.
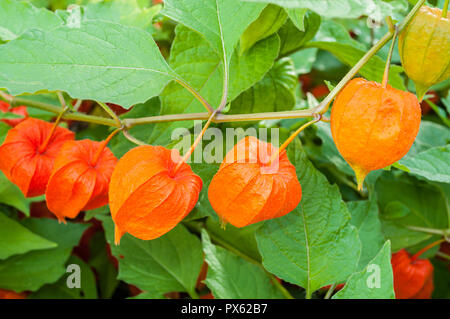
x=292, y=39
x=194, y=59
x=60, y=290
x=425, y=204
x=166, y=264
x=34, y=269
x=375, y=281
x=215, y=20
x=365, y=219
x=315, y=245
x=11, y=195
x=274, y=93
x=433, y=164
x=268, y=23
x=231, y=277
x=87, y=62
x=16, y=17
x=339, y=9
x=127, y=12
x=16, y=239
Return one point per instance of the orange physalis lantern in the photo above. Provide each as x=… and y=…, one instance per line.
x=18, y=110
x=148, y=194
x=249, y=187
x=28, y=153
x=9, y=294
x=373, y=126
x=413, y=277
x=80, y=178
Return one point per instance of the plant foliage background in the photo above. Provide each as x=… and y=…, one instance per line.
x=275, y=52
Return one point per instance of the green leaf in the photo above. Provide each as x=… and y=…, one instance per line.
x=373, y=282
x=231, y=277
x=331, y=31
x=327, y=152
x=433, y=164
x=166, y=264
x=60, y=290
x=101, y=262
x=315, y=245
x=374, y=68
x=350, y=9
x=241, y=239
x=11, y=195
x=126, y=12
x=441, y=280
x=86, y=62
x=430, y=135
x=8, y=115
x=365, y=219
x=297, y=17
x=16, y=17
x=292, y=39
x=274, y=93
x=4, y=129
x=304, y=60
x=268, y=23
x=427, y=204
x=215, y=20
x=16, y=239
x=206, y=76
x=34, y=269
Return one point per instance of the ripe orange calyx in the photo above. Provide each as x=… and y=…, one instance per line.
x=372, y=126
x=413, y=279
x=18, y=110
x=24, y=159
x=147, y=197
x=80, y=178
x=247, y=189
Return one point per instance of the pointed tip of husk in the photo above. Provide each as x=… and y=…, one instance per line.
x=360, y=176
x=117, y=235
x=421, y=90
x=61, y=220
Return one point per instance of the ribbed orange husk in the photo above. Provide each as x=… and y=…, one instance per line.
x=247, y=190
x=19, y=110
x=412, y=280
x=79, y=180
x=424, y=48
x=21, y=160
x=372, y=126
x=8, y=294
x=147, y=197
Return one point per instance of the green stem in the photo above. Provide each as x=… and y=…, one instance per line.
x=195, y=94
x=391, y=51
x=445, y=9
x=75, y=116
x=330, y=291
x=434, y=231
x=443, y=255
x=111, y=113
